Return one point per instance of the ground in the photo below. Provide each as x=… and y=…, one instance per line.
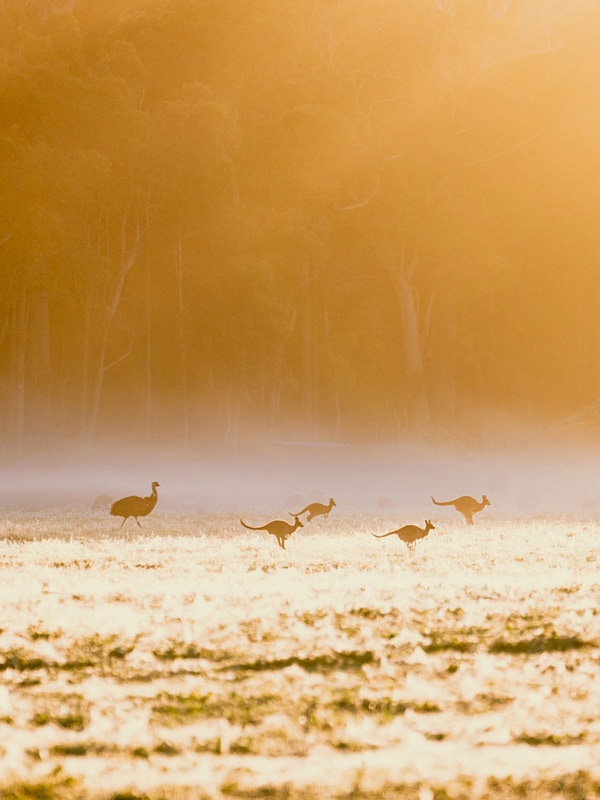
x=196, y=659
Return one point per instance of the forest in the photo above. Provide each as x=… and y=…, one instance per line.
x=300, y=220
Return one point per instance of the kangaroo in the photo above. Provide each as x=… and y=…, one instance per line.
x=278, y=527
x=466, y=505
x=316, y=510
x=409, y=534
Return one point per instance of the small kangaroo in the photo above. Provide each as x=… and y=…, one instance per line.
x=466, y=505
x=316, y=510
x=409, y=534
x=279, y=528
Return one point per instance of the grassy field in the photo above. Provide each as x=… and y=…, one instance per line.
x=196, y=659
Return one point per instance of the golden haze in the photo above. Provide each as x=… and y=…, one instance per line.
x=299, y=220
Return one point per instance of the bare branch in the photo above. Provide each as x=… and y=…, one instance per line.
x=499, y=11
x=506, y=151
x=364, y=201
x=426, y=325
x=128, y=257
x=117, y=360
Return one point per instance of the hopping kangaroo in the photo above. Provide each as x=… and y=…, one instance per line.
x=278, y=527
x=316, y=510
x=466, y=505
x=409, y=534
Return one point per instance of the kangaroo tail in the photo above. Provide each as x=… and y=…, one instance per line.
x=250, y=527
x=383, y=535
x=297, y=514
x=447, y=503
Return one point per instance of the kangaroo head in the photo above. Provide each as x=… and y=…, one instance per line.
x=332, y=501
x=485, y=501
x=297, y=522
x=429, y=526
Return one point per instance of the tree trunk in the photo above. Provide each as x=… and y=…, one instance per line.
x=148, y=393
x=233, y=410
x=130, y=244
x=334, y=402
x=148, y=401
x=181, y=335
x=39, y=365
x=413, y=333
x=19, y=325
x=309, y=388
x=446, y=354
x=86, y=355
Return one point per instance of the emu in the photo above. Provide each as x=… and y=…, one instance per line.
x=134, y=506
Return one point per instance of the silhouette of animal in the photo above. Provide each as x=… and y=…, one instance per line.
x=316, y=510
x=279, y=528
x=385, y=503
x=295, y=500
x=409, y=534
x=135, y=506
x=101, y=502
x=466, y=505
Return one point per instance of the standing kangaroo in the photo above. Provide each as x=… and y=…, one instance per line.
x=409, y=534
x=466, y=505
x=316, y=510
x=279, y=528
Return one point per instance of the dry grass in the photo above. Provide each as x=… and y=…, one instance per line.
x=195, y=659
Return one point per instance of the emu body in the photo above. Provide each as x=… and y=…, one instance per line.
x=279, y=528
x=409, y=533
x=466, y=505
x=134, y=506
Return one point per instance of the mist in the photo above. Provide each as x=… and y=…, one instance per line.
x=275, y=479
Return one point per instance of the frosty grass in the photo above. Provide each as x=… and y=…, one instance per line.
x=195, y=659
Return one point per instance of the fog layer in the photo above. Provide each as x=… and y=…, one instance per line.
x=273, y=480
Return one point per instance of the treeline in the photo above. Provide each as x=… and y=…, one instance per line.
x=297, y=219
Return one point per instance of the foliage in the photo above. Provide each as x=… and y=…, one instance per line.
x=352, y=221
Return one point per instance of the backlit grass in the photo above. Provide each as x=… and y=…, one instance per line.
x=213, y=664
